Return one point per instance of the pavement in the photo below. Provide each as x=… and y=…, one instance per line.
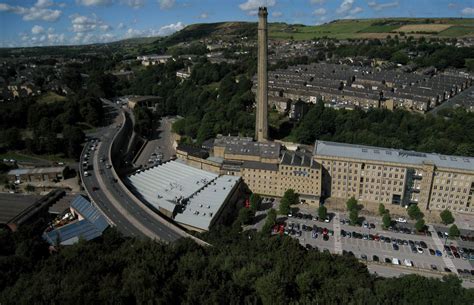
x=161, y=142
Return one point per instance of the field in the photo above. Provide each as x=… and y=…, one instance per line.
x=51, y=97
x=431, y=28
x=456, y=31
x=376, y=28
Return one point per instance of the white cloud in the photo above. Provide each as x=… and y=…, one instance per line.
x=468, y=11
x=43, y=3
x=381, y=6
x=121, y=26
x=204, y=16
x=36, y=12
x=452, y=5
x=134, y=3
x=37, y=29
x=356, y=10
x=166, y=4
x=317, y=1
x=345, y=7
x=170, y=28
x=277, y=14
x=87, y=24
x=319, y=12
x=252, y=5
x=94, y=2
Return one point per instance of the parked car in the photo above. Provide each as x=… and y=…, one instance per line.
x=438, y=253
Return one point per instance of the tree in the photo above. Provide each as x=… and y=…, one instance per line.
x=351, y=204
x=291, y=196
x=255, y=202
x=30, y=188
x=454, y=232
x=446, y=217
x=420, y=225
x=322, y=212
x=284, y=208
x=414, y=212
x=270, y=221
x=245, y=216
x=354, y=217
x=386, y=220
x=382, y=209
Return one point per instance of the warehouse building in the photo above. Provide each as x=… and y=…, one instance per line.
x=39, y=174
x=194, y=198
x=84, y=221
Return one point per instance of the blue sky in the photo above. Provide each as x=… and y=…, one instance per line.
x=59, y=22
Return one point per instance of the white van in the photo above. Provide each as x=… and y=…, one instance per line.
x=395, y=261
x=408, y=262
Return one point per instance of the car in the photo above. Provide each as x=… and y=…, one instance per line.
x=290, y=214
x=365, y=236
x=453, y=248
x=315, y=218
x=456, y=255
x=365, y=224
x=405, y=242
x=463, y=238
x=432, y=252
x=447, y=248
x=464, y=256
x=423, y=245
x=308, y=247
x=407, y=262
x=399, y=242
x=363, y=256
x=388, y=260
x=299, y=215
x=371, y=237
x=325, y=231
x=86, y=174
x=395, y=247
x=401, y=220
x=343, y=233
x=327, y=219
x=419, y=250
x=375, y=258
x=314, y=234
x=108, y=166
x=388, y=240
x=331, y=233
x=376, y=237
x=434, y=267
x=417, y=243
x=438, y=253
x=326, y=237
x=372, y=226
x=395, y=261
x=440, y=234
x=411, y=242
x=413, y=249
x=446, y=269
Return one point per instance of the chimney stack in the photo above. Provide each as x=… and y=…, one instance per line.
x=261, y=126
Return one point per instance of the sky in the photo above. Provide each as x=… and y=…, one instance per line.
x=71, y=22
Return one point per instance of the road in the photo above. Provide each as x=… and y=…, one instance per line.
x=129, y=217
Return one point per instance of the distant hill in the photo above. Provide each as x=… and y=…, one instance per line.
x=377, y=28
x=223, y=30
x=342, y=29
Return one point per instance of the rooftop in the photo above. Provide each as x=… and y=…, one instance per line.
x=324, y=148
x=90, y=226
x=38, y=170
x=12, y=205
x=246, y=146
x=298, y=158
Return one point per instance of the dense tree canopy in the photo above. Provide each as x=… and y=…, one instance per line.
x=240, y=268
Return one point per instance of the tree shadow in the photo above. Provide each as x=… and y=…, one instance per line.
x=258, y=218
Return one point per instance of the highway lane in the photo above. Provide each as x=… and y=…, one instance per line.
x=130, y=218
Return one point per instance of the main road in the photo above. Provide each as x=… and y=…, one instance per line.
x=106, y=190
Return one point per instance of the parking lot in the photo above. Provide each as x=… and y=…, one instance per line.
x=396, y=248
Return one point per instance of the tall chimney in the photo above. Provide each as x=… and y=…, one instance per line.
x=261, y=126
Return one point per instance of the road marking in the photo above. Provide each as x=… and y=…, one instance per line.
x=337, y=234
x=449, y=263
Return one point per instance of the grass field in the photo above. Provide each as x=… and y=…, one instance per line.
x=457, y=31
x=380, y=29
x=51, y=97
x=375, y=28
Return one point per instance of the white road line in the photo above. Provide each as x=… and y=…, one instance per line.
x=449, y=263
x=337, y=234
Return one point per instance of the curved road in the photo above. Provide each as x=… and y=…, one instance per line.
x=109, y=195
